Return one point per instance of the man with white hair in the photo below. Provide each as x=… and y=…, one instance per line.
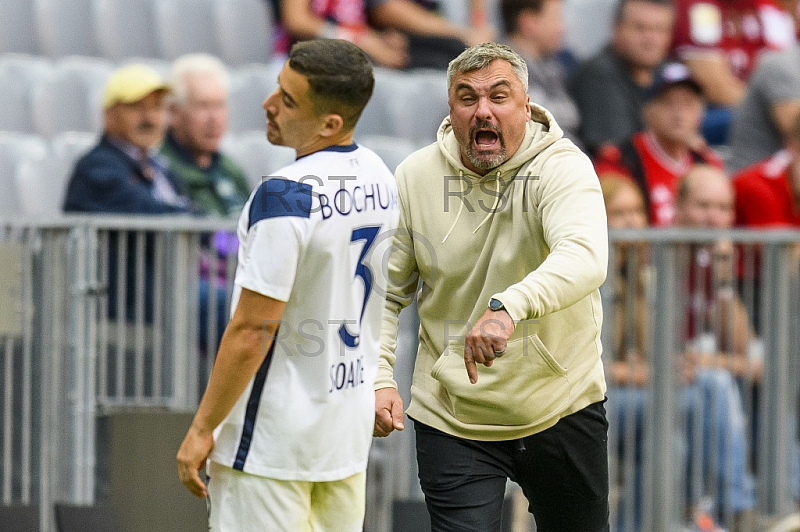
x=198, y=118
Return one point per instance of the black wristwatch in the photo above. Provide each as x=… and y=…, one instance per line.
x=496, y=304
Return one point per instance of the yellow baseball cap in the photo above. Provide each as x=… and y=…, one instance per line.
x=131, y=83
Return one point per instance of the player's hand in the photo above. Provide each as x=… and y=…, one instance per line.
x=487, y=340
x=192, y=457
x=388, y=412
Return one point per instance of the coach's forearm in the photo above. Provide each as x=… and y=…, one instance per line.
x=241, y=353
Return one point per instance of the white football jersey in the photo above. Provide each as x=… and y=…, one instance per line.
x=316, y=235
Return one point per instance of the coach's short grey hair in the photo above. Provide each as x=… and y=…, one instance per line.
x=195, y=64
x=481, y=55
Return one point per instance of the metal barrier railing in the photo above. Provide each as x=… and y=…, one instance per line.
x=101, y=313
x=700, y=344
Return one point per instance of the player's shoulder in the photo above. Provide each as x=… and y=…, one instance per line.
x=279, y=196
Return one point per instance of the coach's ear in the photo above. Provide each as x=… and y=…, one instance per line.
x=332, y=125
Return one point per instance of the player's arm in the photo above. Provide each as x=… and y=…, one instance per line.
x=244, y=345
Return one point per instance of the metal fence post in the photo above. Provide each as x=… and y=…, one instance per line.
x=773, y=451
x=182, y=341
x=660, y=474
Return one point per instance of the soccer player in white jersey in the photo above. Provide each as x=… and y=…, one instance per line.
x=286, y=421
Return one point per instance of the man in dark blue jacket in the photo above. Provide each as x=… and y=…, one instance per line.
x=123, y=173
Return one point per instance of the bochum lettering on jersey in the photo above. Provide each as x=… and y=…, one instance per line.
x=368, y=197
x=345, y=201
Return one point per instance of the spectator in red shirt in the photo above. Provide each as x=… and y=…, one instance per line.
x=719, y=40
x=768, y=193
x=670, y=145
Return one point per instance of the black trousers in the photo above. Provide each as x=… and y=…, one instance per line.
x=563, y=472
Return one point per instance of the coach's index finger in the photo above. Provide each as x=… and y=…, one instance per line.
x=472, y=367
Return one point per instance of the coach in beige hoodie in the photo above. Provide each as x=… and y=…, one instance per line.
x=501, y=208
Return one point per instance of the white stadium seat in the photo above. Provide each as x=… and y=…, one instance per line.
x=71, y=145
x=162, y=66
x=587, y=25
x=396, y=108
x=66, y=27
x=41, y=182
x=185, y=26
x=18, y=27
x=71, y=100
x=126, y=28
x=377, y=118
x=250, y=86
x=421, y=125
x=244, y=29
x=19, y=73
x=16, y=148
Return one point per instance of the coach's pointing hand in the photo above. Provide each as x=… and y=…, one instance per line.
x=487, y=340
x=388, y=412
x=192, y=457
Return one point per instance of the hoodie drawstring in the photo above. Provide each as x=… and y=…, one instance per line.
x=460, y=207
x=494, y=205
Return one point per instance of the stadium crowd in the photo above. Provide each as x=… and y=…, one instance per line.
x=690, y=113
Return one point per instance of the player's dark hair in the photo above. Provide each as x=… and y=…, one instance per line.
x=339, y=74
x=619, y=10
x=510, y=10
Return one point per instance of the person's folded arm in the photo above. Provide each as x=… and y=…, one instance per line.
x=406, y=15
x=714, y=75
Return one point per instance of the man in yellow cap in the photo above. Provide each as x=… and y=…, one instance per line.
x=123, y=173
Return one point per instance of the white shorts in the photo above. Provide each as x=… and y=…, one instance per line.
x=241, y=502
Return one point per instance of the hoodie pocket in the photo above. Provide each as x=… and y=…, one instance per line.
x=526, y=386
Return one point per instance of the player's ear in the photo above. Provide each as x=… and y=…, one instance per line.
x=332, y=125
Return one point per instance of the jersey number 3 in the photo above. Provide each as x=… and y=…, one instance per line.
x=367, y=234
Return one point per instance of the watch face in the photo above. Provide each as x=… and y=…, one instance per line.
x=495, y=304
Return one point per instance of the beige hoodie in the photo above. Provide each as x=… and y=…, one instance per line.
x=531, y=233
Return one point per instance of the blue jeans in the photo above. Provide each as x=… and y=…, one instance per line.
x=714, y=399
x=221, y=313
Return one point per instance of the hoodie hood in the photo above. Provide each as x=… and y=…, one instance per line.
x=542, y=131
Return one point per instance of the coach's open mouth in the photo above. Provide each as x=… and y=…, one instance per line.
x=485, y=139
